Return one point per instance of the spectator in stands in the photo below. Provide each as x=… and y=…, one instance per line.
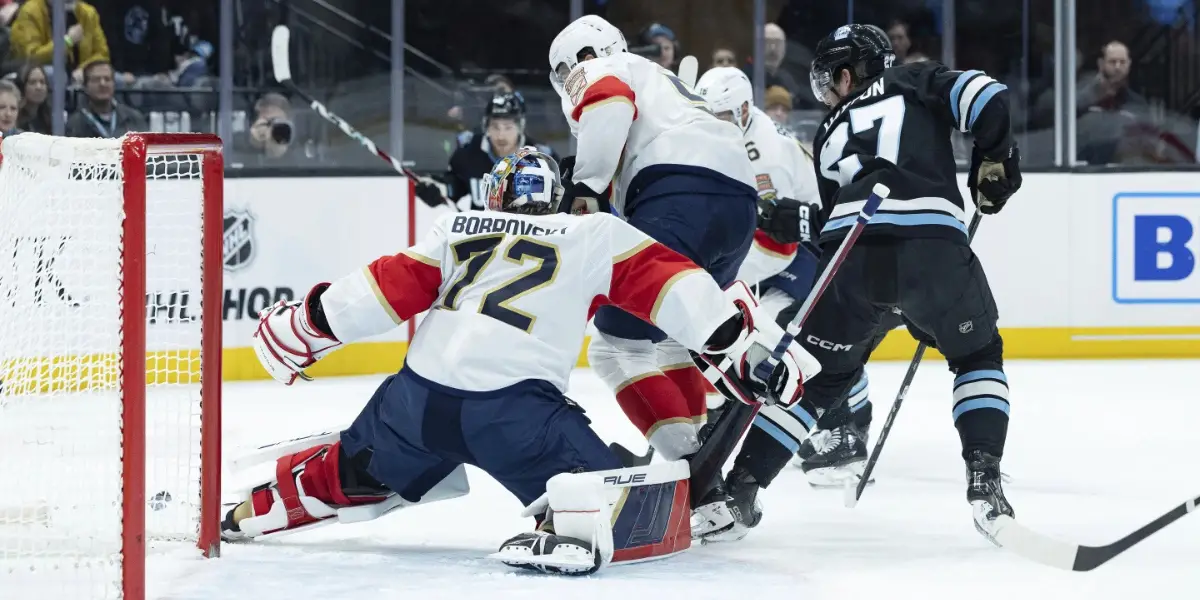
x=102, y=116
x=10, y=107
x=32, y=35
x=272, y=131
x=778, y=104
x=774, y=51
x=35, y=110
x=898, y=31
x=1106, y=106
x=723, y=57
x=660, y=35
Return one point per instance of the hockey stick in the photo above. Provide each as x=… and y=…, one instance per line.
x=281, y=64
x=1011, y=535
x=853, y=493
x=689, y=70
x=706, y=464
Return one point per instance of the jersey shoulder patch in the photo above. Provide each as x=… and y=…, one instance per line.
x=576, y=83
x=589, y=72
x=464, y=138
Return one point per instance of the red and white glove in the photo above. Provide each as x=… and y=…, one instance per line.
x=760, y=335
x=287, y=341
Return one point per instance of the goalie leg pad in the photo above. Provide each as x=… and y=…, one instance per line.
x=618, y=516
x=651, y=400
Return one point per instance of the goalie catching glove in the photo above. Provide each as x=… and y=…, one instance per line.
x=291, y=336
x=746, y=341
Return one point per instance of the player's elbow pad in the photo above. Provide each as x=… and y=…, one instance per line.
x=992, y=127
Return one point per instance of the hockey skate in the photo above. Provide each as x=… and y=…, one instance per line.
x=742, y=505
x=712, y=516
x=985, y=492
x=831, y=457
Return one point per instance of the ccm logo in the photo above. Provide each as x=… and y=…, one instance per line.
x=826, y=345
x=625, y=479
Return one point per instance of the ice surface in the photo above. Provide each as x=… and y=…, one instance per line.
x=1095, y=449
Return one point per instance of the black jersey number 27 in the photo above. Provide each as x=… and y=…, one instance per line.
x=887, y=115
x=478, y=253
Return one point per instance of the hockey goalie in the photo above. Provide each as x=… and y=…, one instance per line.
x=509, y=293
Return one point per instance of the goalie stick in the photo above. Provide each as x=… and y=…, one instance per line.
x=706, y=464
x=282, y=66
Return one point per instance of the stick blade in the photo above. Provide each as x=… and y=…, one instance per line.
x=689, y=70
x=280, y=38
x=850, y=493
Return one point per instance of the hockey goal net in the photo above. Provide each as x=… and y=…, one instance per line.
x=110, y=359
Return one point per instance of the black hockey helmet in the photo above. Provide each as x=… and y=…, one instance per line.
x=509, y=105
x=864, y=50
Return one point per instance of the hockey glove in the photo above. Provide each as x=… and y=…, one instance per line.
x=291, y=336
x=430, y=193
x=745, y=341
x=993, y=180
x=787, y=221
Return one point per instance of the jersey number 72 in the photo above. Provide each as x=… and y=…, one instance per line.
x=478, y=253
x=888, y=113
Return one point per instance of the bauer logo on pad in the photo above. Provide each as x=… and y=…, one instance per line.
x=1156, y=240
x=239, y=239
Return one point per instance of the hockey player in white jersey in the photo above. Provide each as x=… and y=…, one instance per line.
x=782, y=262
x=509, y=295
x=651, y=152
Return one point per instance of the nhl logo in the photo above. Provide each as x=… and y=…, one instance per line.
x=239, y=239
x=967, y=327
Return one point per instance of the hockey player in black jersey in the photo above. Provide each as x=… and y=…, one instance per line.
x=501, y=133
x=892, y=125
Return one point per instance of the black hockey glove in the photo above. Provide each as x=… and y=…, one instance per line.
x=993, y=180
x=787, y=221
x=429, y=192
x=582, y=200
x=566, y=168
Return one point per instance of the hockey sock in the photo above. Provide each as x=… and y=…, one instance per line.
x=692, y=385
x=981, y=400
x=762, y=456
x=651, y=400
x=860, y=403
x=658, y=408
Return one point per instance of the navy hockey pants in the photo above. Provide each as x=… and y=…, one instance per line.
x=713, y=230
x=418, y=431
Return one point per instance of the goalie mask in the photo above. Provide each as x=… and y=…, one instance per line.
x=526, y=182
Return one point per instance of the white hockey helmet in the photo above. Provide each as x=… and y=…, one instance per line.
x=728, y=93
x=588, y=32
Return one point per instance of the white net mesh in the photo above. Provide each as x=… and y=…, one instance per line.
x=61, y=403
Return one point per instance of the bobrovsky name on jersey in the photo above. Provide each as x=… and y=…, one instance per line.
x=1156, y=239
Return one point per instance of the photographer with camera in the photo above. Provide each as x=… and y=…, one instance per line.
x=657, y=42
x=272, y=131
x=102, y=116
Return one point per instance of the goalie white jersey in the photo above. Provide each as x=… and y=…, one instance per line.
x=629, y=113
x=782, y=169
x=510, y=295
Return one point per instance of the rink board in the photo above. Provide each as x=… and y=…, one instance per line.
x=1082, y=265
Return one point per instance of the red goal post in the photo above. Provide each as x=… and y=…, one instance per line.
x=111, y=258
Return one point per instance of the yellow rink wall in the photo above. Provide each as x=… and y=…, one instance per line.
x=1049, y=343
